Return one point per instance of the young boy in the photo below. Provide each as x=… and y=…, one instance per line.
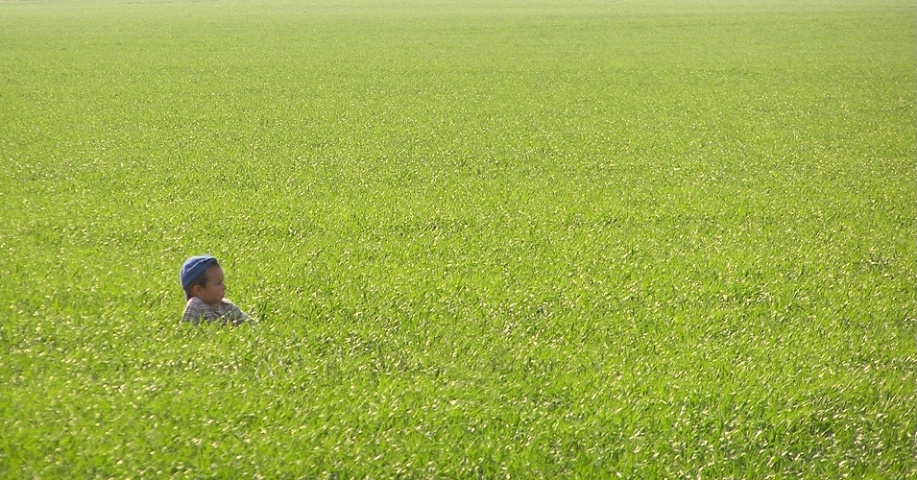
x=202, y=279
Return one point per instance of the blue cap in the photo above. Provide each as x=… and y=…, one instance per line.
x=195, y=266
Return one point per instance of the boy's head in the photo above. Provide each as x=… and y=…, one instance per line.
x=202, y=277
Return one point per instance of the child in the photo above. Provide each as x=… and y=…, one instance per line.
x=202, y=279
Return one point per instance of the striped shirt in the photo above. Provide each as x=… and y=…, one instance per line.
x=227, y=312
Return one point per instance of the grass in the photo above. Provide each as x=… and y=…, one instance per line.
x=505, y=239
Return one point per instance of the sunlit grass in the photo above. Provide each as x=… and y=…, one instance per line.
x=509, y=239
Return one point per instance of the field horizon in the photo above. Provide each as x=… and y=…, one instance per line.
x=510, y=239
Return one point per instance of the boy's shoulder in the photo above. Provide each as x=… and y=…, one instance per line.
x=195, y=302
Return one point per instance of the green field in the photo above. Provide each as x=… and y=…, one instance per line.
x=495, y=239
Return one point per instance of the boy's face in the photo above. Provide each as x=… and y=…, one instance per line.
x=212, y=292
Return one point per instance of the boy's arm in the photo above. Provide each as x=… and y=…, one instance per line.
x=236, y=315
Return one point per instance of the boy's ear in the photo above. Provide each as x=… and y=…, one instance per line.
x=196, y=289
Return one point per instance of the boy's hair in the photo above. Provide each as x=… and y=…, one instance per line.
x=200, y=280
